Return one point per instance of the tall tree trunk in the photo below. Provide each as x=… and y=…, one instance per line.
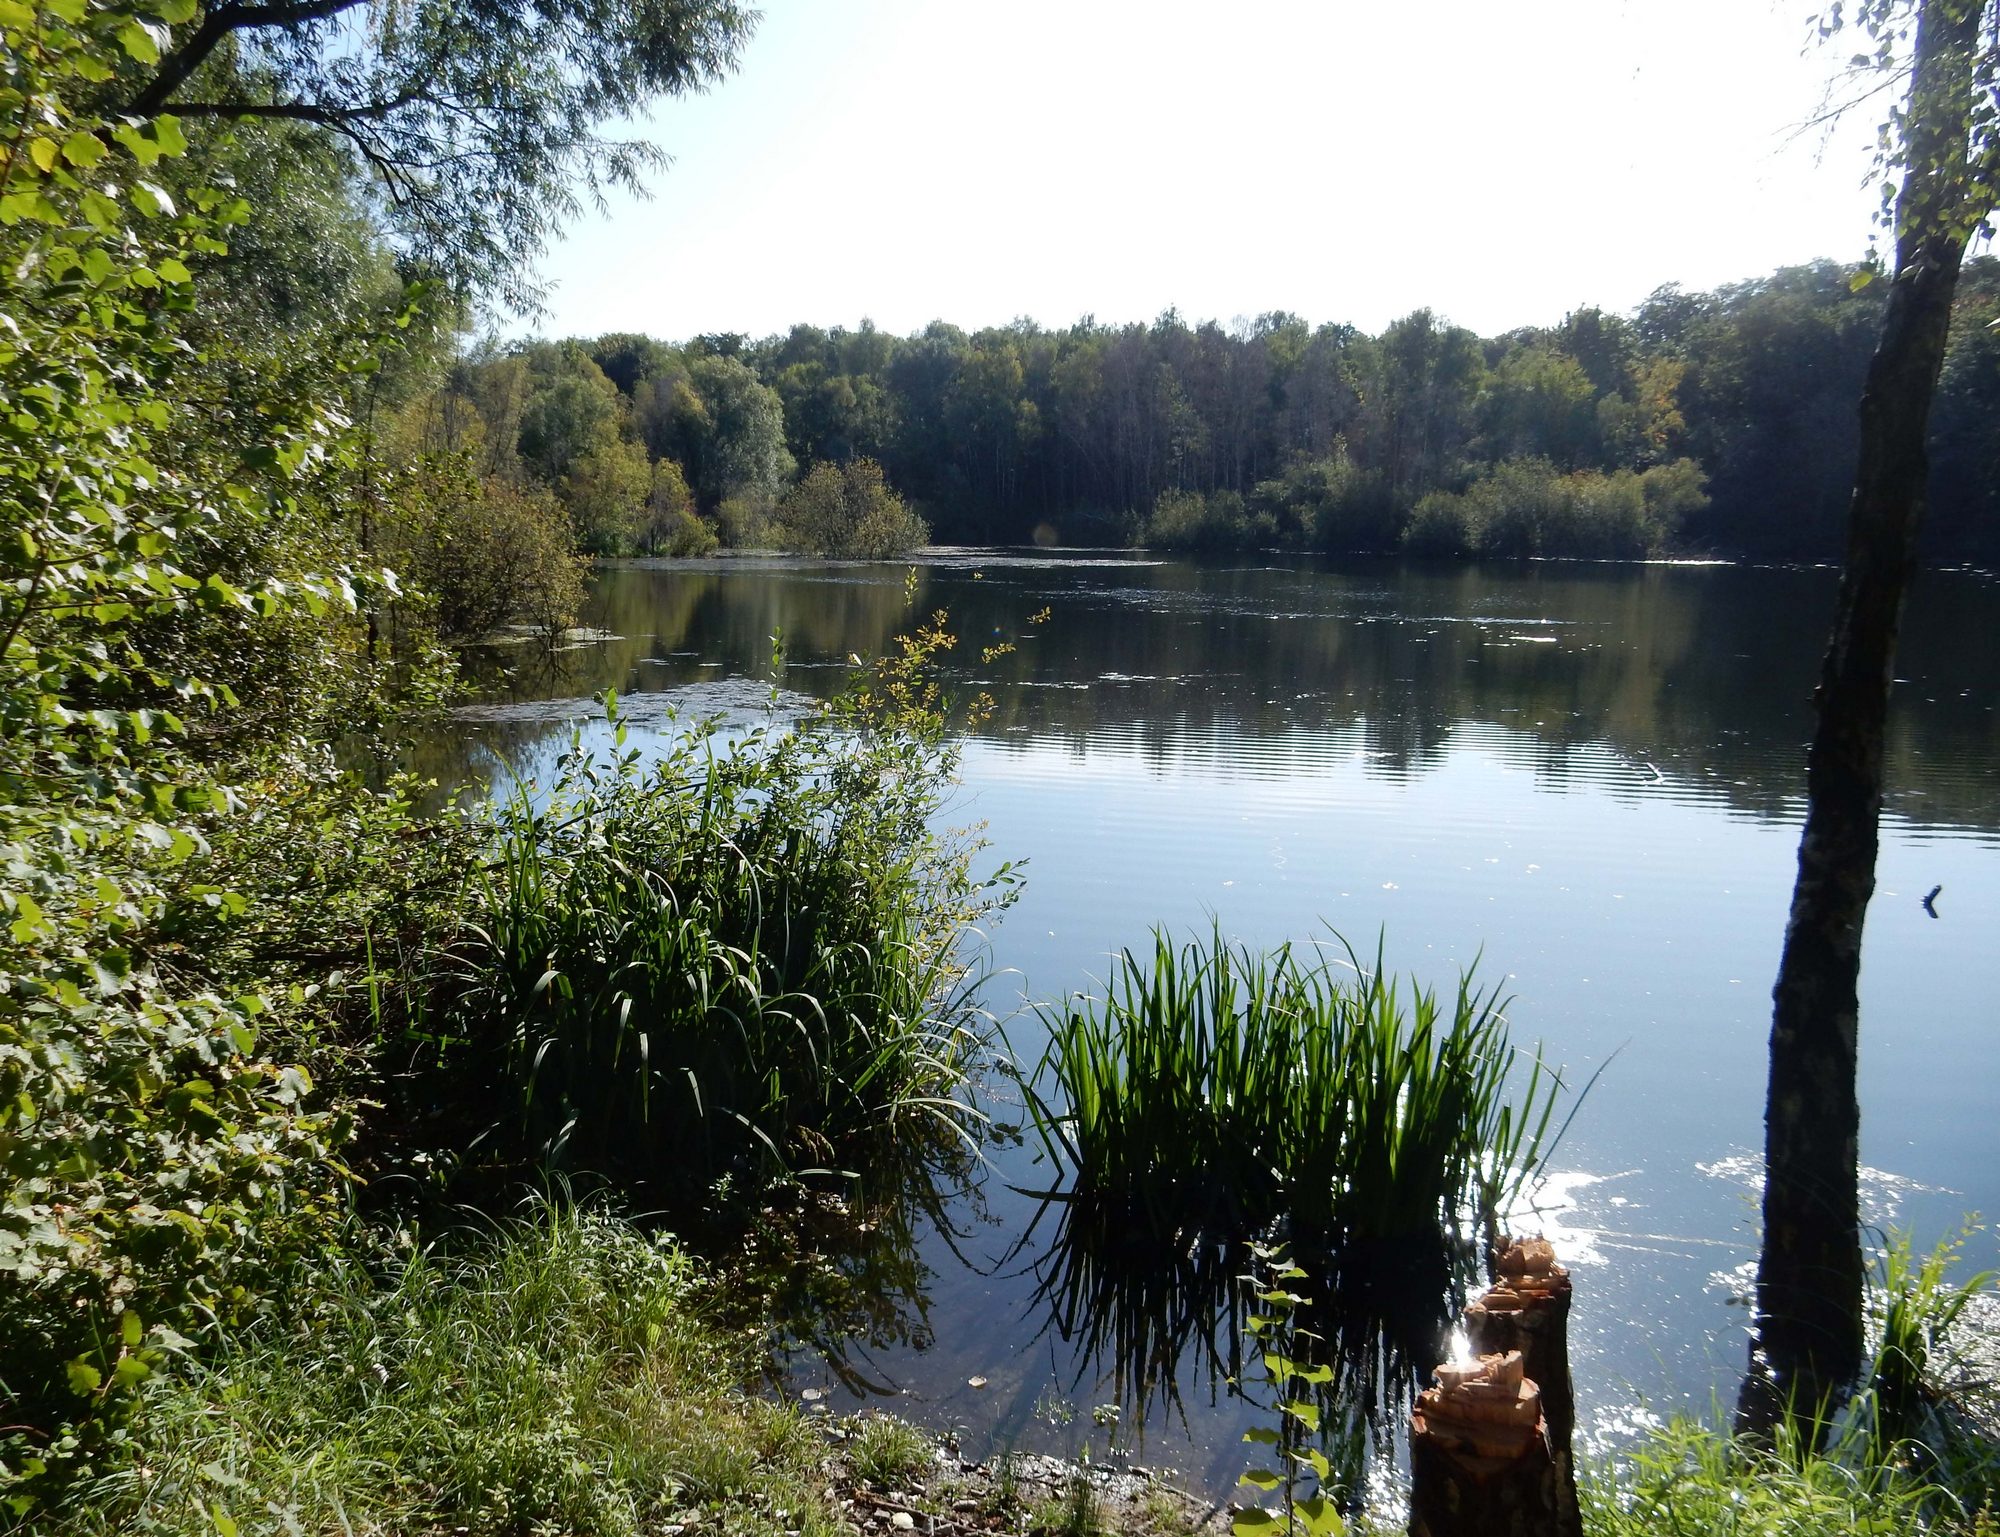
x=1808, y=1347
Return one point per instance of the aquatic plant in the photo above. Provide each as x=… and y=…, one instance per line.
x=742, y=956
x=1220, y=1088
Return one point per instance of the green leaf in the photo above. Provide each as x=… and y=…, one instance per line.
x=1320, y=1517
x=100, y=211
x=83, y=1377
x=1250, y=1523
x=1261, y=1478
x=137, y=39
x=141, y=148
x=152, y=200
x=130, y=1329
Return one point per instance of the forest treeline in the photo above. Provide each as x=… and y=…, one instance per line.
x=1718, y=423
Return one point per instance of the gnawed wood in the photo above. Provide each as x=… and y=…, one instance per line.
x=1490, y=1442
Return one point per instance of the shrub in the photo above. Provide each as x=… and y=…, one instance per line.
x=1187, y=520
x=1331, y=503
x=1440, y=524
x=687, y=536
x=606, y=490
x=674, y=527
x=1522, y=507
x=745, y=523
x=157, y=1158
x=480, y=554
x=848, y=511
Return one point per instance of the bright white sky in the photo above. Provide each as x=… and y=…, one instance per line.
x=911, y=160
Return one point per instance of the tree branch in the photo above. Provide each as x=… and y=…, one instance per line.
x=217, y=25
x=300, y=111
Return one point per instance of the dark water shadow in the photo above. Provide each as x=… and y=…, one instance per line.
x=841, y=1267
x=1162, y=1318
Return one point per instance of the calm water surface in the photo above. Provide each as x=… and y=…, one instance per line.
x=1584, y=777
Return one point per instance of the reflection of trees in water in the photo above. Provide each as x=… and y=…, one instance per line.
x=1704, y=672
x=1162, y=1317
x=839, y=1266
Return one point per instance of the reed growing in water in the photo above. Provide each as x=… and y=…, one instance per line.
x=1222, y=1088
x=742, y=956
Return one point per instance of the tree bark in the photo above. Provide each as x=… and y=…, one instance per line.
x=1808, y=1345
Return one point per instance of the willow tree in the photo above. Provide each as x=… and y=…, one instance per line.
x=480, y=124
x=1941, y=145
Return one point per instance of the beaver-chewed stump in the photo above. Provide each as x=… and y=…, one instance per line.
x=1490, y=1443
x=1479, y=1454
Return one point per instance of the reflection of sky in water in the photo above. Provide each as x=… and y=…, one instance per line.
x=1584, y=781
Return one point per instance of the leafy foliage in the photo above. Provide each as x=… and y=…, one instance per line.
x=479, y=554
x=848, y=510
x=478, y=125
x=157, y=1163
x=1303, y=1479
x=1529, y=507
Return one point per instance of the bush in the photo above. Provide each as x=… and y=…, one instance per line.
x=480, y=554
x=1522, y=507
x=688, y=536
x=1331, y=504
x=675, y=528
x=1187, y=520
x=848, y=511
x=1440, y=524
x=745, y=523
x=606, y=491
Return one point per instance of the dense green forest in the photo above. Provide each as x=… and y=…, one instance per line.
x=1715, y=423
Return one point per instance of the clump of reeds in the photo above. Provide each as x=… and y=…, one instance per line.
x=741, y=956
x=1221, y=1087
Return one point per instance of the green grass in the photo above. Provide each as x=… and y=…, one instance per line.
x=1690, y=1479
x=889, y=1453
x=1219, y=1087
x=558, y=1374
x=745, y=958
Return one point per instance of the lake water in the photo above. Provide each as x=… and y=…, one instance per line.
x=1585, y=777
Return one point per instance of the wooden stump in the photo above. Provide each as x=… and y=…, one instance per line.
x=1490, y=1443
x=1479, y=1455
x=1528, y=1310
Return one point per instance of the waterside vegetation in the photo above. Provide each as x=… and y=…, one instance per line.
x=253, y=493
x=1215, y=1087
